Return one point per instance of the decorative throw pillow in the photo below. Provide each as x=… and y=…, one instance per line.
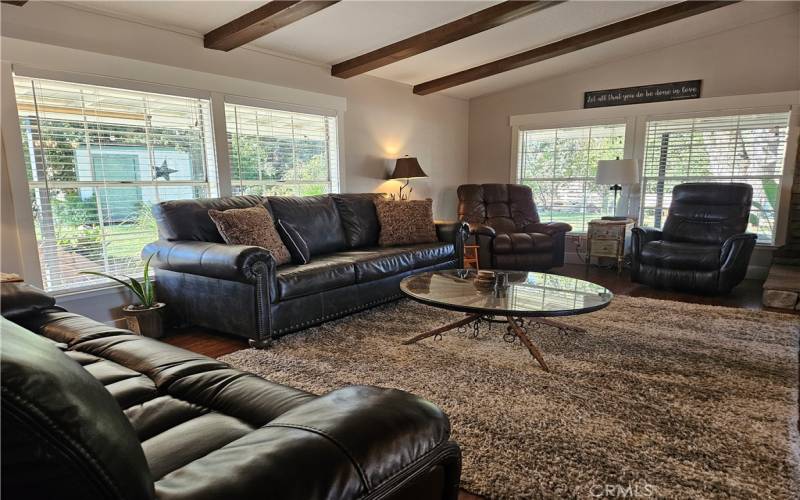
x=294, y=242
x=251, y=226
x=405, y=222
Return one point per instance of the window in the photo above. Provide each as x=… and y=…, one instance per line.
x=741, y=148
x=560, y=166
x=97, y=158
x=275, y=152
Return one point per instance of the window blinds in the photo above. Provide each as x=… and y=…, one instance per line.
x=560, y=167
x=97, y=158
x=276, y=152
x=738, y=148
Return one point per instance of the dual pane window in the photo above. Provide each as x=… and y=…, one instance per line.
x=98, y=158
x=560, y=167
x=740, y=148
x=282, y=153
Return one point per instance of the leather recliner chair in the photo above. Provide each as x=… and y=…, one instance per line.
x=703, y=245
x=505, y=224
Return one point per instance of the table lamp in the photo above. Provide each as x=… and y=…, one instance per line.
x=406, y=168
x=617, y=173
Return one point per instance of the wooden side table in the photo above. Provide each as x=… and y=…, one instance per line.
x=606, y=238
x=471, y=257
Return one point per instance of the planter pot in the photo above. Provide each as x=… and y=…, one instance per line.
x=146, y=322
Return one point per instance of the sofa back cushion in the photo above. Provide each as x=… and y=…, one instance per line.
x=62, y=428
x=189, y=219
x=359, y=219
x=508, y=208
x=707, y=212
x=315, y=218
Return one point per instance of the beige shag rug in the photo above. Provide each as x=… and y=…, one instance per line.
x=659, y=398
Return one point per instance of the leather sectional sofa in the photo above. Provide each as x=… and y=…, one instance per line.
x=239, y=290
x=94, y=412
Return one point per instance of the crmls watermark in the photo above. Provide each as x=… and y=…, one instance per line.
x=630, y=490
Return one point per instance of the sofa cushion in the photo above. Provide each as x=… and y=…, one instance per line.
x=512, y=243
x=359, y=219
x=315, y=217
x=320, y=274
x=22, y=299
x=188, y=220
x=405, y=222
x=673, y=255
x=252, y=227
x=372, y=264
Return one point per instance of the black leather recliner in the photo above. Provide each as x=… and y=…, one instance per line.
x=703, y=245
x=90, y=412
x=505, y=224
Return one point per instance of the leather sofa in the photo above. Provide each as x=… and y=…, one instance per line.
x=505, y=224
x=94, y=412
x=239, y=290
x=703, y=245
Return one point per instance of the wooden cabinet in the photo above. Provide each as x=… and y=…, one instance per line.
x=606, y=238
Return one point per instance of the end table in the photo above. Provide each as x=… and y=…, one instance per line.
x=606, y=238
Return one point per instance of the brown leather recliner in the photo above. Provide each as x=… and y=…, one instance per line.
x=504, y=222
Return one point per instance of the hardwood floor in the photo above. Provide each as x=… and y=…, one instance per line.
x=746, y=295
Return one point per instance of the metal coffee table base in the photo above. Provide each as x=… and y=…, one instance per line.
x=515, y=329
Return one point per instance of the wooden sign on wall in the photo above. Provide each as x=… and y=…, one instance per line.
x=674, y=91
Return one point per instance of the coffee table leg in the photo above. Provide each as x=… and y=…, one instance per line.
x=558, y=324
x=469, y=319
x=523, y=337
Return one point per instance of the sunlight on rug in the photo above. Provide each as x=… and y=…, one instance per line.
x=675, y=399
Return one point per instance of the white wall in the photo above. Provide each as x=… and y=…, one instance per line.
x=762, y=57
x=753, y=59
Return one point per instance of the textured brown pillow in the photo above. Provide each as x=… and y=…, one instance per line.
x=251, y=226
x=405, y=222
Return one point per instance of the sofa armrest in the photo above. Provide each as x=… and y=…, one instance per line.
x=549, y=228
x=736, y=251
x=482, y=230
x=451, y=231
x=646, y=234
x=213, y=260
x=352, y=443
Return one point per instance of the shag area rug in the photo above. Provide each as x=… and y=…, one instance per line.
x=658, y=399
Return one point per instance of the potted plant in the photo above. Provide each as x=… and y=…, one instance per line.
x=143, y=318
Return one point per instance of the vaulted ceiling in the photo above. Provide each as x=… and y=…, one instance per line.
x=349, y=28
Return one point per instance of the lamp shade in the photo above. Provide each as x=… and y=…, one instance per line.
x=623, y=172
x=407, y=168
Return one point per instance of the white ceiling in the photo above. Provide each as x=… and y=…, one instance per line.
x=353, y=27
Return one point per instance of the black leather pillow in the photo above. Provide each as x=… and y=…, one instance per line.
x=359, y=219
x=294, y=242
x=315, y=217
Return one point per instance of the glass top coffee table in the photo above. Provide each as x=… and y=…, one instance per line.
x=505, y=296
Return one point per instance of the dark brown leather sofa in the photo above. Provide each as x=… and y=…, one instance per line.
x=239, y=290
x=703, y=246
x=504, y=222
x=94, y=412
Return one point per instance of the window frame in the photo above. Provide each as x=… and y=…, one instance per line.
x=636, y=116
x=782, y=196
x=186, y=82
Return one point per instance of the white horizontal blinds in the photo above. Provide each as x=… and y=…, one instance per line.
x=560, y=166
x=738, y=148
x=97, y=159
x=276, y=152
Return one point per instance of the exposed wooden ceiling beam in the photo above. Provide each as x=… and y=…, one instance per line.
x=494, y=16
x=609, y=32
x=265, y=19
x=18, y=3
